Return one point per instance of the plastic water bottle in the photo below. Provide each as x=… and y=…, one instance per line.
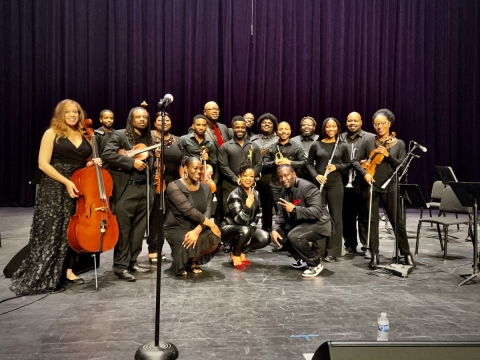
x=383, y=327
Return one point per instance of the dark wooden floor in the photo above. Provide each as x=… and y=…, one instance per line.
x=266, y=312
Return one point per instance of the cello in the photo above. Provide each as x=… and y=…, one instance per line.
x=93, y=228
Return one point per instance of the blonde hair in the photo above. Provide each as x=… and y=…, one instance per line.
x=58, y=125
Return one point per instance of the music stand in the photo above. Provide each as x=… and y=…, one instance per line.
x=468, y=194
x=411, y=196
x=446, y=174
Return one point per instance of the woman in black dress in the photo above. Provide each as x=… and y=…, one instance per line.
x=239, y=227
x=394, y=152
x=63, y=149
x=191, y=234
x=172, y=158
x=332, y=194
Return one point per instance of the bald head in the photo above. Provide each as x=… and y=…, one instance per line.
x=354, y=123
x=249, y=119
x=211, y=111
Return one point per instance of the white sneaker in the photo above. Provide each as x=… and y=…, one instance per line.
x=313, y=271
x=368, y=254
x=300, y=264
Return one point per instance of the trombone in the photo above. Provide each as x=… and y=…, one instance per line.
x=351, y=173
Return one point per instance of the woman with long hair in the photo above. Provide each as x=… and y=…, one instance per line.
x=192, y=236
x=63, y=149
x=239, y=227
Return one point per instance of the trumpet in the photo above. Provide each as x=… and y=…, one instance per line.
x=250, y=154
x=351, y=173
x=329, y=162
x=278, y=154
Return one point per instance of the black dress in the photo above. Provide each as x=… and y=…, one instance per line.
x=172, y=157
x=188, y=209
x=48, y=244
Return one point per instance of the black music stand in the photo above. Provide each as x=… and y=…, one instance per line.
x=468, y=194
x=446, y=174
x=411, y=196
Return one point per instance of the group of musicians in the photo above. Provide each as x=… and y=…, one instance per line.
x=307, y=192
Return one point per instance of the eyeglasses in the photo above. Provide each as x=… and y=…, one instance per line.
x=215, y=109
x=383, y=123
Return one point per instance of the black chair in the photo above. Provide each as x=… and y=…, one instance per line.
x=448, y=204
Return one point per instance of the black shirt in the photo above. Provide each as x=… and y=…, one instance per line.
x=172, y=156
x=290, y=150
x=231, y=154
x=192, y=148
x=320, y=154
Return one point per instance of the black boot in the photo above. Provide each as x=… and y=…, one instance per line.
x=374, y=262
x=409, y=260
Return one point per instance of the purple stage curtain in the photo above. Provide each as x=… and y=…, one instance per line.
x=306, y=57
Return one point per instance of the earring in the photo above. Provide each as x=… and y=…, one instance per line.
x=185, y=175
x=254, y=184
x=238, y=181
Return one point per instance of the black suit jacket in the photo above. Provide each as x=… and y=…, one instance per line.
x=309, y=209
x=120, y=166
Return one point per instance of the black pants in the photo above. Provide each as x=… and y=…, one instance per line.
x=227, y=188
x=355, y=205
x=298, y=243
x=156, y=219
x=388, y=202
x=131, y=212
x=266, y=199
x=238, y=236
x=332, y=195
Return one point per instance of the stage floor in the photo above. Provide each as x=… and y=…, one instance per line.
x=266, y=312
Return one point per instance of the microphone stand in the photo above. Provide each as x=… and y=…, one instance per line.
x=396, y=268
x=157, y=350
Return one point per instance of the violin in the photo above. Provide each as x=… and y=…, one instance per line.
x=93, y=228
x=139, y=151
x=375, y=158
x=207, y=173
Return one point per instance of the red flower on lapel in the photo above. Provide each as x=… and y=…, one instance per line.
x=296, y=202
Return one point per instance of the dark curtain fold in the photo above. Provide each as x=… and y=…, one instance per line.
x=305, y=57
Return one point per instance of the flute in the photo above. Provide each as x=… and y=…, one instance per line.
x=329, y=162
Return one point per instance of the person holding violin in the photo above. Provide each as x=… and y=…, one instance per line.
x=386, y=153
x=239, y=227
x=64, y=148
x=192, y=236
x=172, y=158
x=328, y=157
x=232, y=153
x=131, y=176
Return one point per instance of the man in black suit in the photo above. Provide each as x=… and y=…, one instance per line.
x=131, y=178
x=218, y=134
x=303, y=220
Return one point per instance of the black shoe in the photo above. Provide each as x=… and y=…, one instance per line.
x=278, y=249
x=78, y=281
x=227, y=249
x=125, y=275
x=374, y=262
x=349, y=250
x=330, y=258
x=138, y=268
x=409, y=260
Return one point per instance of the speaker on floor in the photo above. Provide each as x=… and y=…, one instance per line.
x=393, y=350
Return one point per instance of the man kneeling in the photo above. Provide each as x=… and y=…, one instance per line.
x=303, y=220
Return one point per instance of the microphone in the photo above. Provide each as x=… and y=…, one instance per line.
x=423, y=148
x=167, y=99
